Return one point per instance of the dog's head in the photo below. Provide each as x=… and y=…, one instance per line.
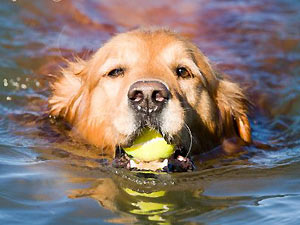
x=150, y=78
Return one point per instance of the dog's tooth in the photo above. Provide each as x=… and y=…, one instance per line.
x=150, y=110
x=165, y=163
x=180, y=158
x=139, y=107
x=132, y=164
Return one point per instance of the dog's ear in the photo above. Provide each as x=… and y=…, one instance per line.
x=66, y=90
x=232, y=102
x=234, y=107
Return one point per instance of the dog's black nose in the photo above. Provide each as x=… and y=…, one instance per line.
x=148, y=96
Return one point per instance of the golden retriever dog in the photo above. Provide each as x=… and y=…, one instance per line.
x=150, y=78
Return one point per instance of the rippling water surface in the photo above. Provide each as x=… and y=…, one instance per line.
x=47, y=179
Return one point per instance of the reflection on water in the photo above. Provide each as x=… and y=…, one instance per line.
x=47, y=178
x=166, y=199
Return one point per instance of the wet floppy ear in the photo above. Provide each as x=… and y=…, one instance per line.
x=231, y=100
x=66, y=90
x=234, y=107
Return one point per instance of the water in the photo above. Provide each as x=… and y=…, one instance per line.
x=48, y=179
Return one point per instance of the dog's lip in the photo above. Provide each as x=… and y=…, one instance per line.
x=134, y=136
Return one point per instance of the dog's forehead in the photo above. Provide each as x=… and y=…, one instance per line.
x=174, y=52
x=134, y=47
x=124, y=47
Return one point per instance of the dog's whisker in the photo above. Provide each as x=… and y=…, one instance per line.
x=191, y=139
x=119, y=149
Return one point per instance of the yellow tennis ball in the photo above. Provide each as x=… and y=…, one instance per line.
x=150, y=146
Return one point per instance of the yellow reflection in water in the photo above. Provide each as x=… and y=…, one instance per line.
x=134, y=203
x=149, y=208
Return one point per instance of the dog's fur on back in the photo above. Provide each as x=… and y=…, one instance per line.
x=92, y=95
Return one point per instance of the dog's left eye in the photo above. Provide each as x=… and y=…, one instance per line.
x=182, y=72
x=116, y=72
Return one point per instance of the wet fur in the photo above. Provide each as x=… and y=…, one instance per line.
x=96, y=105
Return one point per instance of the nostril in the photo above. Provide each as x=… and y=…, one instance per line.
x=158, y=96
x=136, y=96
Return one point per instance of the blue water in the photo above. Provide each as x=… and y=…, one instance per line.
x=46, y=178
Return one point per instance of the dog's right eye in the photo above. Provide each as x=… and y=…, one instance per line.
x=116, y=72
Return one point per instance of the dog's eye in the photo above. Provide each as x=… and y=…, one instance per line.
x=182, y=72
x=116, y=72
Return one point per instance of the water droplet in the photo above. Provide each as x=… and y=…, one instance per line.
x=23, y=86
x=8, y=98
x=14, y=83
x=5, y=82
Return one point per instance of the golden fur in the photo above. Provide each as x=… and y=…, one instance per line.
x=204, y=103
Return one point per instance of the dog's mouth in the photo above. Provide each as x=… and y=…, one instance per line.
x=131, y=138
x=150, y=150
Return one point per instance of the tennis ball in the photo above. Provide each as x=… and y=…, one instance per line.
x=150, y=146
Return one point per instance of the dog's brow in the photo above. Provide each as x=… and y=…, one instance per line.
x=170, y=52
x=194, y=68
x=108, y=65
x=170, y=55
x=191, y=53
